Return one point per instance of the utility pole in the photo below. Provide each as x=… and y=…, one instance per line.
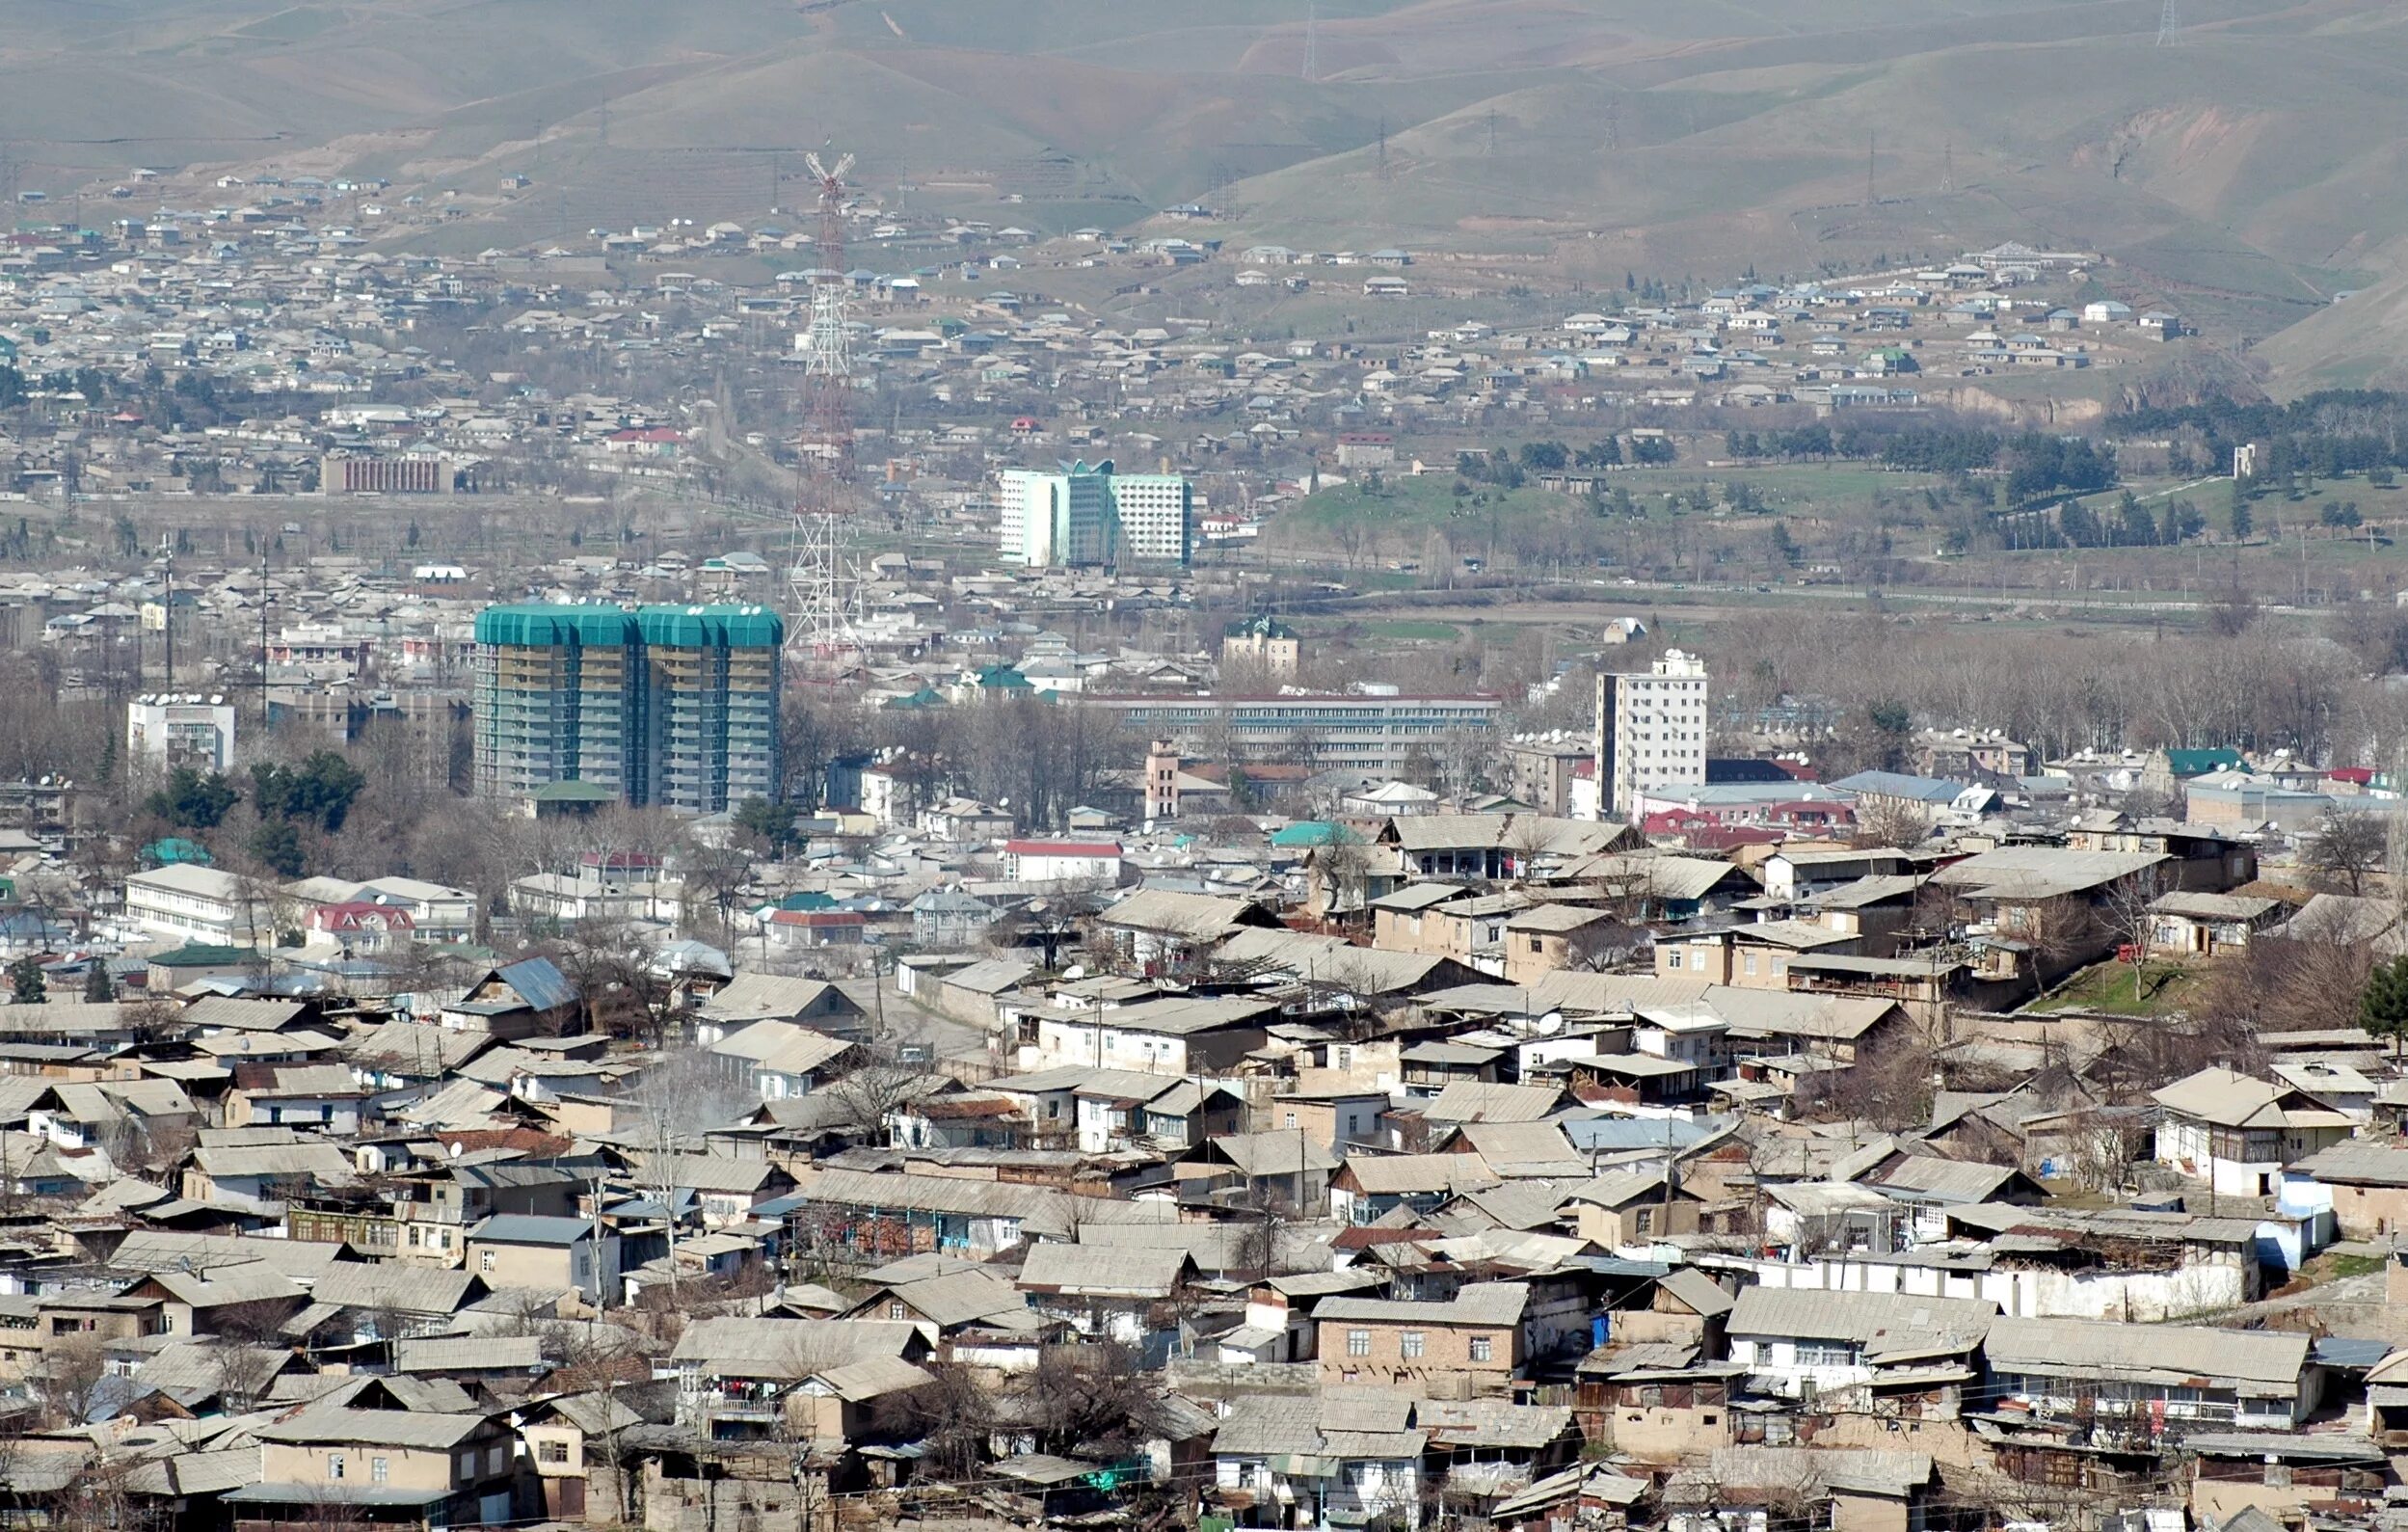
x=1868, y=170
x=263, y=636
x=166, y=616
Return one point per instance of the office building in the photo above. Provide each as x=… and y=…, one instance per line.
x=176, y=730
x=1087, y=514
x=669, y=707
x=1652, y=731
x=1345, y=731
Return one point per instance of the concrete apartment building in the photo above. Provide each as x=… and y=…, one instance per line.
x=182, y=730
x=1085, y=513
x=184, y=901
x=1349, y=732
x=669, y=707
x=1652, y=731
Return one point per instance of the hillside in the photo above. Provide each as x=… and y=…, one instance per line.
x=2245, y=173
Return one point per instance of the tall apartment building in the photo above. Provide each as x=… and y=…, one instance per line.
x=673, y=707
x=1085, y=513
x=1652, y=731
x=180, y=730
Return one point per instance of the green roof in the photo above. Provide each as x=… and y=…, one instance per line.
x=727, y=626
x=170, y=850
x=1003, y=678
x=544, y=625
x=806, y=899
x=551, y=625
x=1315, y=832
x=201, y=954
x=2199, y=762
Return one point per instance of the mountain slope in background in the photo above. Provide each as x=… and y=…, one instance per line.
x=2245, y=172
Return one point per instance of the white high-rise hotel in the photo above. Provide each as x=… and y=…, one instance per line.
x=1651, y=732
x=1083, y=514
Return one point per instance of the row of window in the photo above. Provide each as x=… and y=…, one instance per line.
x=1411, y=1343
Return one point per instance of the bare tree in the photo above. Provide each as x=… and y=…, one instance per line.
x=883, y=1078
x=2129, y=913
x=74, y=1377
x=680, y=1095
x=1889, y=823
x=2345, y=845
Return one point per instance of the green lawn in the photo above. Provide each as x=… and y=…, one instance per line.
x=2108, y=987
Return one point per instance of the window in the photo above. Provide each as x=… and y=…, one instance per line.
x=1537, y=946
x=333, y=1464
x=555, y=1452
x=415, y=1233
x=380, y=1470
x=498, y=1457
x=1672, y=958
x=1291, y=1123
x=1646, y=1220
x=485, y=1260
x=1359, y=1342
x=1484, y=1349
x=897, y=1310
x=1409, y=1344
x=446, y=1238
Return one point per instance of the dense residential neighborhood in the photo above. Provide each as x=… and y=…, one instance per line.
x=729, y=878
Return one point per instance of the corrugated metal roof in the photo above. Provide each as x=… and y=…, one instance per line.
x=1879, y=1321
x=2263, y=1360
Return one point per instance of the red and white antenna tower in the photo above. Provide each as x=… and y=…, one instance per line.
x=824, y=621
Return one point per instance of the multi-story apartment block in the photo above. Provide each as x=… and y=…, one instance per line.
x=1652, y=731
x=176, y=730
x=1087, y=514
x=669, y=705
x=1349, y=732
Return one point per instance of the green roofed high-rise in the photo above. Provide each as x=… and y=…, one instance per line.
x=669, y=707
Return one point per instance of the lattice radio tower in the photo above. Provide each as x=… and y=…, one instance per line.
x=824, y=591
x=2168, y=22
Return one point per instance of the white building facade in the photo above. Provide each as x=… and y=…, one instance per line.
x=1087, y=514
x=1651, y=732
x=174, y=730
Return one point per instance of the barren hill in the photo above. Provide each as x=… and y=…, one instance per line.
x=2246, y=169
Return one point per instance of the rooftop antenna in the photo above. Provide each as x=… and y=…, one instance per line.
x=2167, y=22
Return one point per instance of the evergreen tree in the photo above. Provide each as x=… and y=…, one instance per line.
x=26, y=986
x=97, y=988
x=2383, y=1005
